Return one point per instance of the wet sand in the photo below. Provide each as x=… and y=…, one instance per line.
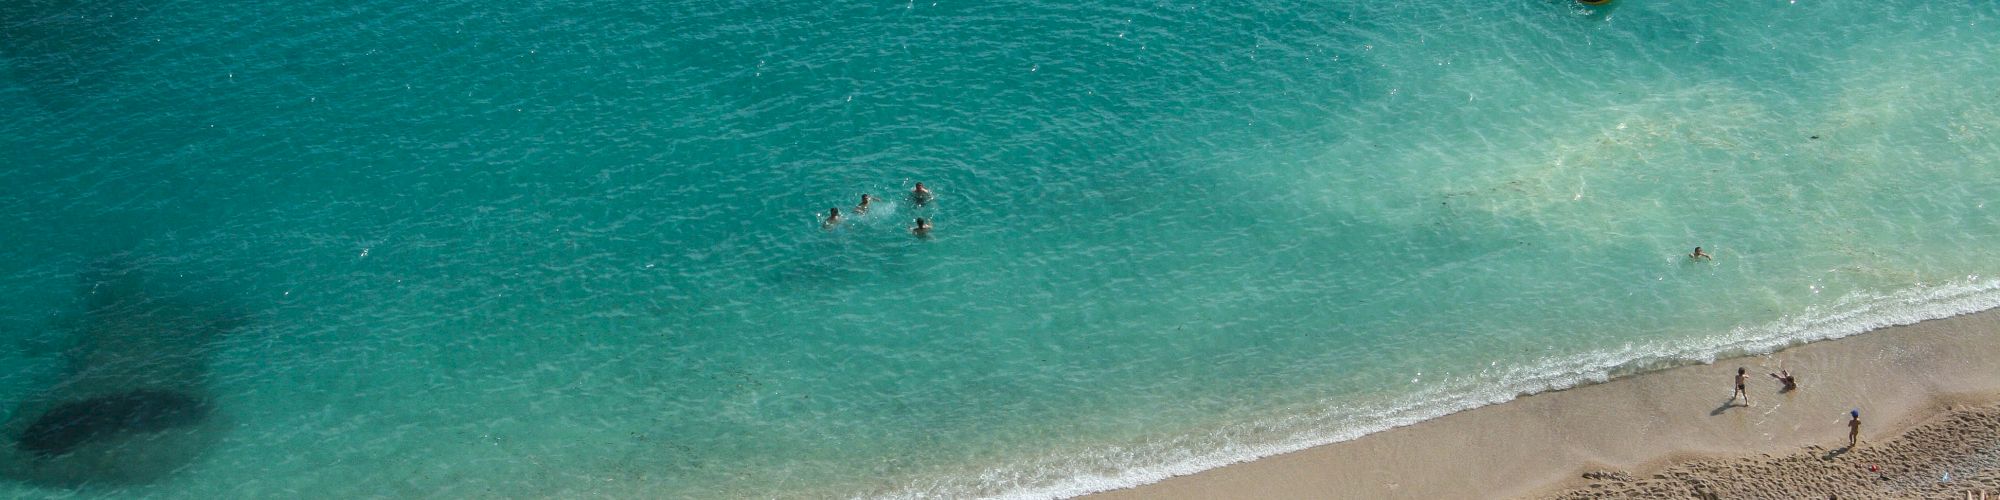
x=1907, y=381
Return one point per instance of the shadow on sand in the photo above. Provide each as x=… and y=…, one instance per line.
x=1726, y=405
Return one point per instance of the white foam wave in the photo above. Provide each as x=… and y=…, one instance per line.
x=1114, y=467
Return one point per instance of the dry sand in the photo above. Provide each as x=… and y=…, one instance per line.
x=1670, y=433
x=1955, y=453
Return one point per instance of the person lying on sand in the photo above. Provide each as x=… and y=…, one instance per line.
x=1786, y=377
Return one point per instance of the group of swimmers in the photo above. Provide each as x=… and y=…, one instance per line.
x=919, y=196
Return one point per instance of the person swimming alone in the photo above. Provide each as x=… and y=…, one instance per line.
x=920, y=196
x=832, y=218
x=863, y=207
x=922, y=229
x=1699, y=255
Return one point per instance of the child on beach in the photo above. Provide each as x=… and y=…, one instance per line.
x=1853, y=427
x=1742, y=379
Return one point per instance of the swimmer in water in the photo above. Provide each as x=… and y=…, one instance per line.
x=1699, y=255
x=863, y=207
x=920, y=196
x=922, y=229
x=832, y=218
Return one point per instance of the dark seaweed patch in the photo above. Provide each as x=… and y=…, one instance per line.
x=73, y=424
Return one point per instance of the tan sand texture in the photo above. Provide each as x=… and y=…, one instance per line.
x=1542, y=444
x=1949, y=456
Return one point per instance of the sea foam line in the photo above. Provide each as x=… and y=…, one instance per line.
x=1116, y=467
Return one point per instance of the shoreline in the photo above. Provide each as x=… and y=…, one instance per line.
x=1541, y=444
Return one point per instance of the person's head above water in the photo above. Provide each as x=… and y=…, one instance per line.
x=865, y=199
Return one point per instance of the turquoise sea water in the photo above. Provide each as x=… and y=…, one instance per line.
x=570, y=248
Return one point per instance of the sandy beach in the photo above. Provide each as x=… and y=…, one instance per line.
x=1928, y=393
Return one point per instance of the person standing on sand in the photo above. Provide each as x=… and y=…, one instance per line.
x=1742, y=378
x=1853, y=427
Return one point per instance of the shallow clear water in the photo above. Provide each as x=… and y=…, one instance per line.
x=571, y=248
